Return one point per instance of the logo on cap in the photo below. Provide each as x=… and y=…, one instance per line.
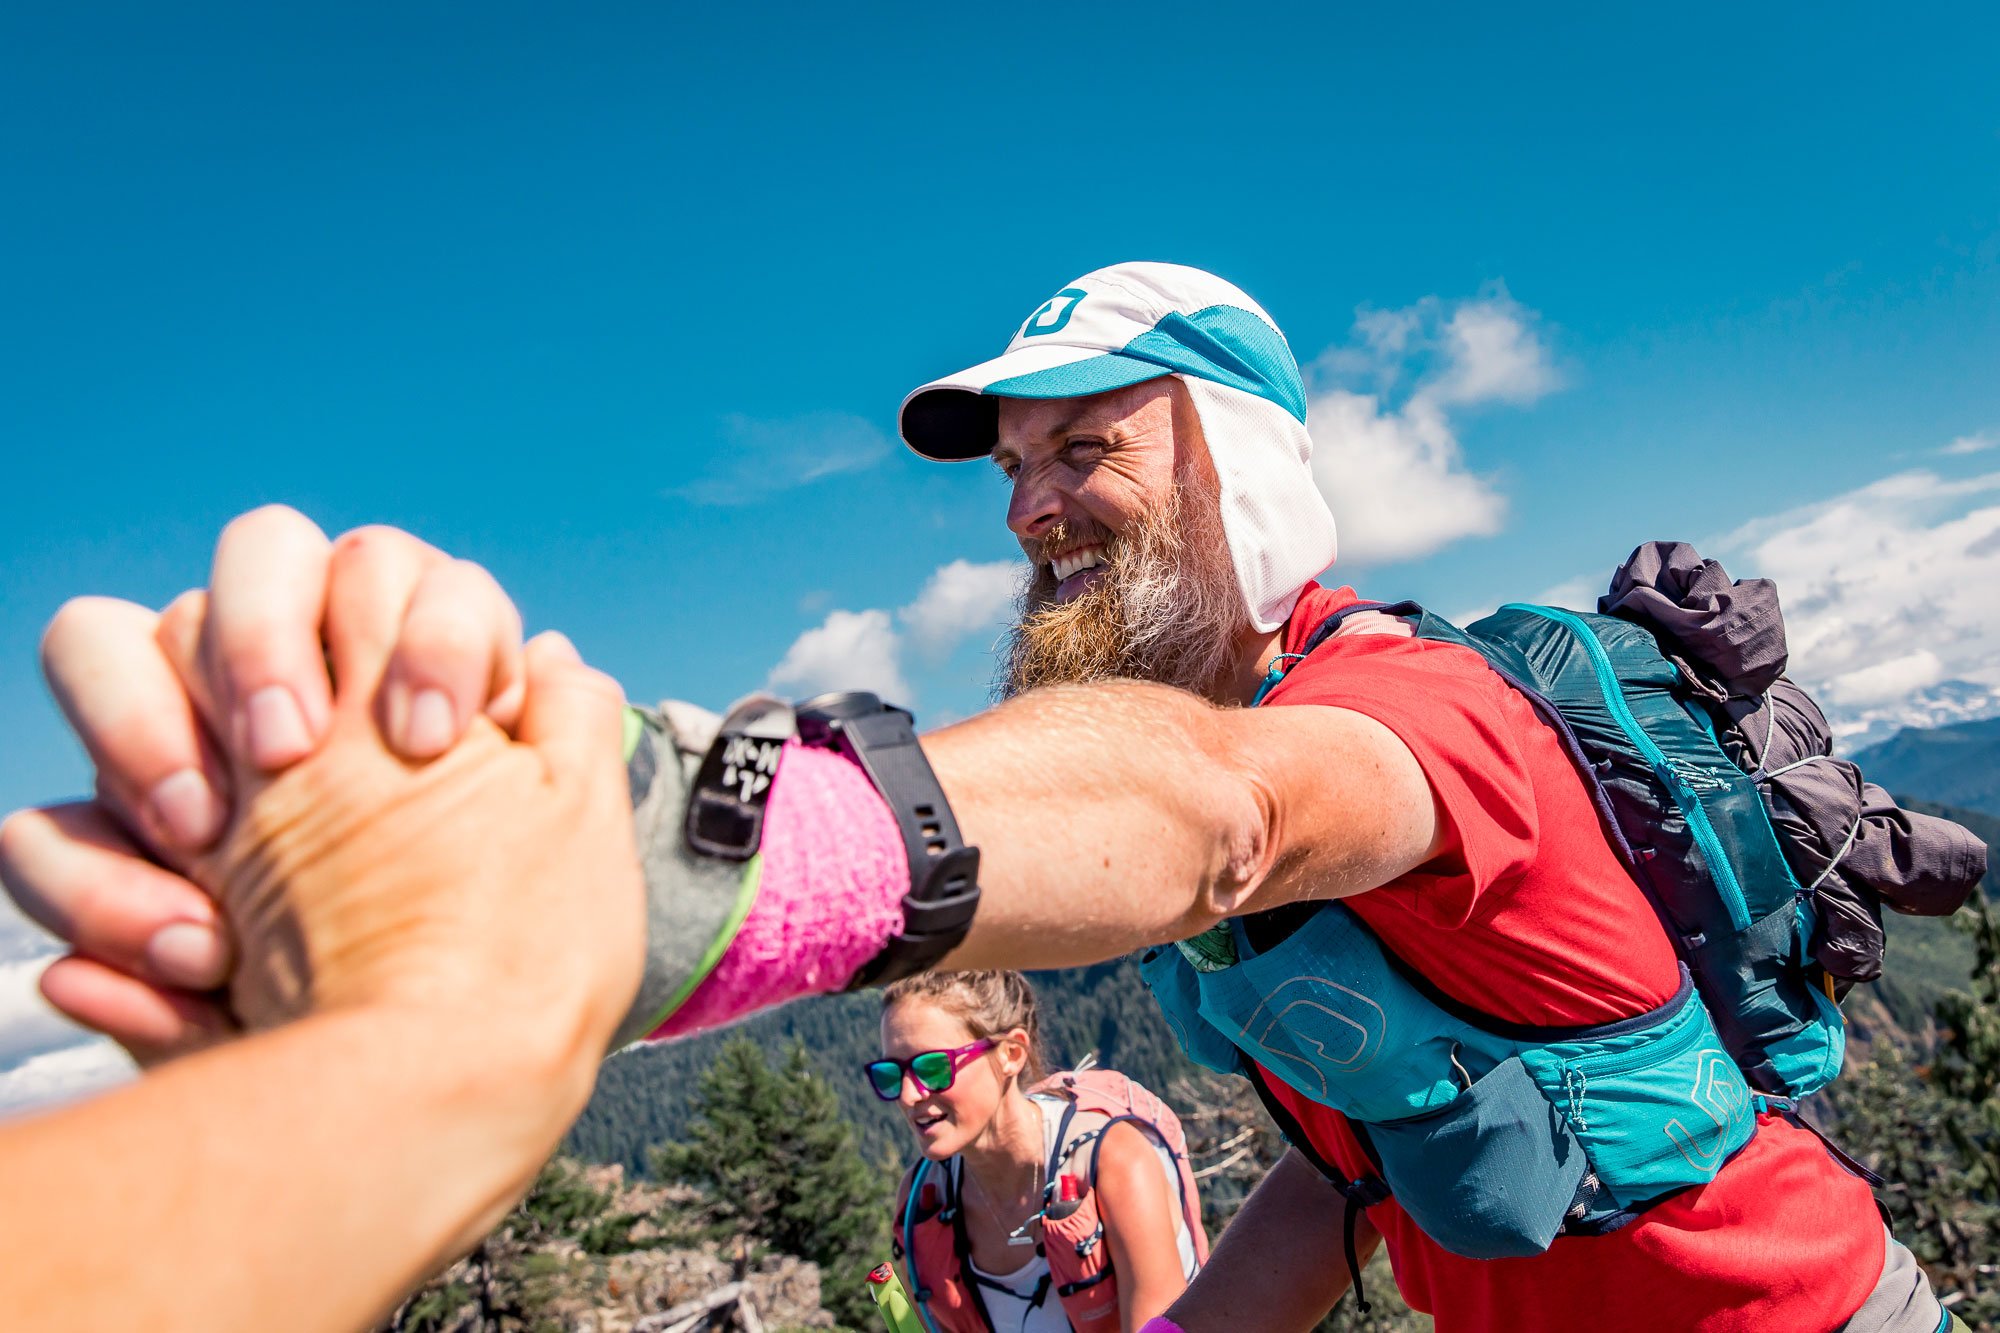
x=1054, y=313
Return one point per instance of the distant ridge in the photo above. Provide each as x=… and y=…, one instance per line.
x=1944, y=704
x=1957, y=765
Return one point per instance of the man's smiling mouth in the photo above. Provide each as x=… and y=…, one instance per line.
x=1076, y=569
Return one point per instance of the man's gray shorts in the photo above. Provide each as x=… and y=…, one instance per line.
x=1902, y=1301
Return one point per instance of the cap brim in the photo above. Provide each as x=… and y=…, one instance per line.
x=957, y=417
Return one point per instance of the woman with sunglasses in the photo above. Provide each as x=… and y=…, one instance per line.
x=1040, y=1204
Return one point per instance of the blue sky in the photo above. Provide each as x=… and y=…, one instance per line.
x=620, y=300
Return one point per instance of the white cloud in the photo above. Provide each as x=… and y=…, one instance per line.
x=849, y=650
x=961, y=598
x=1887, y=589
x=1885, y=681
x=864, y=650
x=1496, y=355
x=64, y=1075
x=43, y=1057
x=29, y=1028
x=1577, y=594
x=763, y=457
x=1971, y=444
x=1384, y=338
x=1888, y=593
x=1396, y=480
x=1388, y=460
x=19, y=937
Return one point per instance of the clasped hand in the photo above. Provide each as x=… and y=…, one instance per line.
x=333, y=778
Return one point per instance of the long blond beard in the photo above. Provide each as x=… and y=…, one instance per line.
x=1166, y=609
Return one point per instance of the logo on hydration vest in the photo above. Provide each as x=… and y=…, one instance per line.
x=1315, y=1026
x=1719, y=1093
x=1053, y=313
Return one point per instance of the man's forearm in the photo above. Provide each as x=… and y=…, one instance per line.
x=1109, y=817
x=1279, y=1264
x=1127, y=773
x=345, y=1157
x=1106, y=817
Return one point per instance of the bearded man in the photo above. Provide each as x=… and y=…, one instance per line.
x=1391, y=790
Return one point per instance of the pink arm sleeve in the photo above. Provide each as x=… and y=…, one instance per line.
x=831, y=894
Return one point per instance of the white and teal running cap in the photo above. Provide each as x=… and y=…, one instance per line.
x=1135, y=322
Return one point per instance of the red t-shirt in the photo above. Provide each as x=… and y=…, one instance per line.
x=1528, y=916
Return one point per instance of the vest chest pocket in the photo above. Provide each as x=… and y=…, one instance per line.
x=1326, y=1012
x=1176, y=989
x=1491, y=1175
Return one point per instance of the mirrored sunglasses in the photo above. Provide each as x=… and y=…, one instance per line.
x=933, y=1070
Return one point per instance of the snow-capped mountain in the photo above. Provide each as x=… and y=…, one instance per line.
x=1939, y=705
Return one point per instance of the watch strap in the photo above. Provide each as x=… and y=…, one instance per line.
x=944, y=872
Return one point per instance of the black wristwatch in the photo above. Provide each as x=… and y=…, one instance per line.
x=944, y=872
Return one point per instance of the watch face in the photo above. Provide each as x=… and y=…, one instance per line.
x=725, y=809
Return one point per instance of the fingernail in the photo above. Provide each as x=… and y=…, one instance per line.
x=187, y=954
x=431, y=723
x=274, y=728
x=186, y=809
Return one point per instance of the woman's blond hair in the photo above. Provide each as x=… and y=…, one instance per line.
x=989, y=1003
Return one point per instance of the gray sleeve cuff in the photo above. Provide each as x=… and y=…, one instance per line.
x=694, y=903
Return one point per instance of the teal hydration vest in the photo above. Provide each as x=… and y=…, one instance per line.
x=1494, y=1137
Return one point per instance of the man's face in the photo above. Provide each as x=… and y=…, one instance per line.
x=1116, y=505
x=1086, y=470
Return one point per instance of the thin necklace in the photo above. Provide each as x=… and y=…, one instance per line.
x=1019, y=1235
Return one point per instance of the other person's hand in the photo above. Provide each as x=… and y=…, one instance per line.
x=457, y=939
x=172, y=708
x=496, y=887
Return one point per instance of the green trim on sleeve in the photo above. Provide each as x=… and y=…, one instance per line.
x=634, y=723
x=746, y=898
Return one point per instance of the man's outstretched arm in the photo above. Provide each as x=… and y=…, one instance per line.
x=1113, y=816
x=1108, y=816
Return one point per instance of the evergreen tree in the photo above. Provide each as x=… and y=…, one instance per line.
x=1967, y=1069
x=514, y=1279
x=778, y=1164
x=563, y=1204
x=1906, y=1130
